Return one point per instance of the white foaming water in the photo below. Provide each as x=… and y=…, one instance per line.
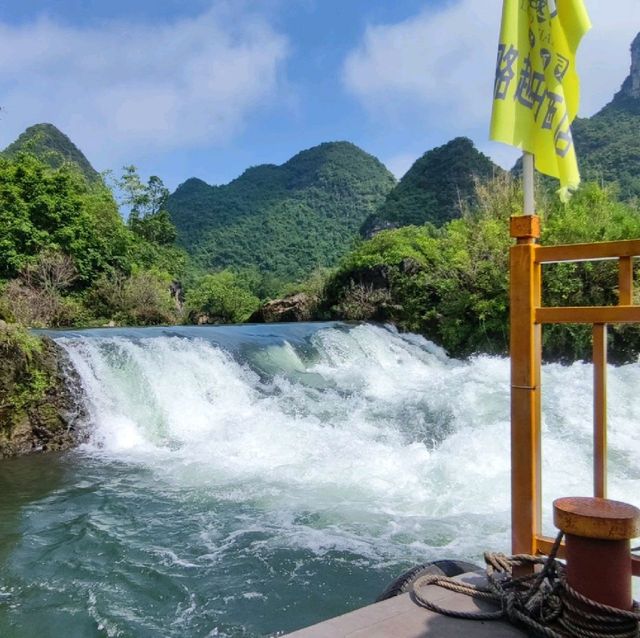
x=389, y=442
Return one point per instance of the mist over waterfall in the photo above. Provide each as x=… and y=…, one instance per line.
x=235, y=473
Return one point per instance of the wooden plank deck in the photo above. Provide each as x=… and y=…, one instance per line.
x=401, y=617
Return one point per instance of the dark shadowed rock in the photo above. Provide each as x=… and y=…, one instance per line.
x=176, y=291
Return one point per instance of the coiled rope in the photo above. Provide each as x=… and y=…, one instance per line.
x=542, y=601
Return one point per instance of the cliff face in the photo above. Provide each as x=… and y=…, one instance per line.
x=633, y=87
x=40, y=396
x=608, y=143
x=627, y=100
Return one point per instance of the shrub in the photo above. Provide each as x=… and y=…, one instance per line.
x=142, y=299
x=363, y=302
x=36, y=298
x=147, y=300
x=220, y=298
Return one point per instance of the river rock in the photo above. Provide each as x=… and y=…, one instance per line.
x=204, y=319
x=298, y=307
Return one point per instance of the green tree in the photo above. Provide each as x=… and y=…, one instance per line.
x=148, y=217
x=222, y=298
x=134, y=194
x=156, y=228
x=60, y=234
x=57, y=210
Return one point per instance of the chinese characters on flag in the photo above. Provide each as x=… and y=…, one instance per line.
x=536, y=89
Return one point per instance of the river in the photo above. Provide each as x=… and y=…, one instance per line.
x=249, y=480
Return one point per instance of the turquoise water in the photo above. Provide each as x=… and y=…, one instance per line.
x=94, y=548
x=251, y=480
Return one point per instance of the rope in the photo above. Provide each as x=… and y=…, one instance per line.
x=542, y=601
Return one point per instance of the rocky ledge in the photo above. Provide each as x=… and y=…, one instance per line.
x=298, y=307
x=41, y=406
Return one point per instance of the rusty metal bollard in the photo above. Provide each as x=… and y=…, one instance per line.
x=597, y=534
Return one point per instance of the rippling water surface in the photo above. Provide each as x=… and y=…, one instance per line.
x=250, y=480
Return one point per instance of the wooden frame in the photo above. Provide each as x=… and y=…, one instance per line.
x=526, y=318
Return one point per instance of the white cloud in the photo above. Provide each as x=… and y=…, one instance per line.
x=436, y=68
x=118, y=88
x=436, y=60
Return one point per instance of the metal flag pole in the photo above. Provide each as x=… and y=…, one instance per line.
x=527, y=182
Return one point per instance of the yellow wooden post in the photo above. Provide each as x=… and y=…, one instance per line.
x=600, y=410
x=625, y=281
x=525, y=349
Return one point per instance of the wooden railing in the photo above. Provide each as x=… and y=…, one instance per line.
x=527, y=317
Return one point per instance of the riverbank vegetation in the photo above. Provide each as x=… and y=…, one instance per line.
x=451, y=283
x=68, y=257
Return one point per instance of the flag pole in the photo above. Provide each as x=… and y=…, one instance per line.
x=527, y=182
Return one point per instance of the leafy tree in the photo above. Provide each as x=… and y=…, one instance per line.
x=156, y=228
x=57, y=210
x=142, y=199
x=146, y=203
x=134, y=193
x=157, y=195
x=222, y=298
x=60, y=234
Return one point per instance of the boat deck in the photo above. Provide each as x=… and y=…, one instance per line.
x=401, y=617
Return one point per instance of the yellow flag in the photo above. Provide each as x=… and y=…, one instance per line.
x=536, y=90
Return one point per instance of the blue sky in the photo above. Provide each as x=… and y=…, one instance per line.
x=208, y=88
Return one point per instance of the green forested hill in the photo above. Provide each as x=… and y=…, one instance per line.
x=608, y=149
x=434, y=187
x=285, y=220
x=51, y=146
x=608, y=144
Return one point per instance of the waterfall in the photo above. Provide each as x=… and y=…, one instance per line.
x=356, y=417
